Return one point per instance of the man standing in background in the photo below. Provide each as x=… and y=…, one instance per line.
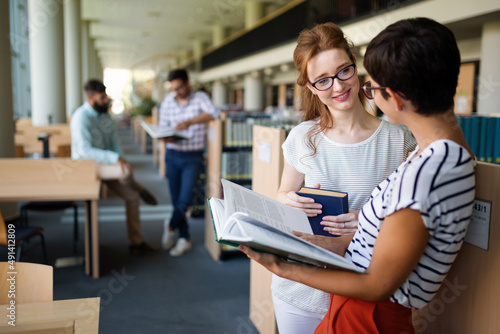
x=186, y=110
x=94, y=136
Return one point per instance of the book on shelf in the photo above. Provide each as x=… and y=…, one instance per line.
x=245, y=217
x=334, y=203
x=156, y=132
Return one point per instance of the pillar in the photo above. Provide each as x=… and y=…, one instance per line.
x=197, y=49
x=72, y=55
x=9, y=210
x=98, y=71
x=47, y=62
x=219, y=94
x=488, y=96
x=218, y=34
x=254, y=11
x=84, y=52
x=253, y=96
x=197, y=54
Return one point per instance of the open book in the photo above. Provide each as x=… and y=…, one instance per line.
x=245, y=217
x=156, y=131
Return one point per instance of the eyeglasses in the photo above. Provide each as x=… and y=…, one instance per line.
x=176, y=89
x=344, y=74
x=368, y=89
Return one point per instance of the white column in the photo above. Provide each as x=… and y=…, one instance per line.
x=219, y=94
x=254, y=11
x=97, y=65
x=91, y=57
x=47, y=62
x=488, y=95
x=72, y=55
x=85, y=53
x=197, y=49
x=218, y=34
x=9, y=210
x=7, y=113
x=253, y=95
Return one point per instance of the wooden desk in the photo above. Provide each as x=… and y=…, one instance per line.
x=58, y=179
x=60, y=316
x=32, y=145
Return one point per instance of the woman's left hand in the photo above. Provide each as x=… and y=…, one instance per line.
x=343, y=224
x=269, y=261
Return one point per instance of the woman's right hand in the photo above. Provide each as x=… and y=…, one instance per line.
x=302, y=203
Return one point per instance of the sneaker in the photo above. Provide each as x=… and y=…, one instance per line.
x=181, y=247
x=142, y=249
x=169, y=237
x=147, y=197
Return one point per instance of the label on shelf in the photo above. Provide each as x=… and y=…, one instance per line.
x=264, y=151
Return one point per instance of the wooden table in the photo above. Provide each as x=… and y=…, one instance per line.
x=60, y=316
x=58, y=179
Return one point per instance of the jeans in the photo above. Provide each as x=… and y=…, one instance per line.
x=183, y=169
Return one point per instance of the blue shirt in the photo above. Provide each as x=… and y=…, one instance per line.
x=94, y=136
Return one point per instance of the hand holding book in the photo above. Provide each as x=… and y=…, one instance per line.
x=343, y=224
x=333, y=203
x=304, y=203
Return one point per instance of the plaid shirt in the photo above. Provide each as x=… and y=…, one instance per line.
x=172, y=113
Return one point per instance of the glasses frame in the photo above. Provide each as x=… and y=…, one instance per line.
x=364, y=88
x=336, y=76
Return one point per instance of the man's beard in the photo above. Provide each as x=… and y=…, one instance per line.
x=100, y=108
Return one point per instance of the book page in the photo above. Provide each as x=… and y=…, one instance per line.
x=216, y=207
x=287, y=245
x=264, y=209
x=156, y=131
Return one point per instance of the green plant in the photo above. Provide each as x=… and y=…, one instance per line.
x=144, y=108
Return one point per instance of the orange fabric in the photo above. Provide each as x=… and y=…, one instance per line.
x=354, y=316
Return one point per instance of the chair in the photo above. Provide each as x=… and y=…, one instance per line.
x=22, y=234
x=48, y=207
x=34, y=282
x=63, y=150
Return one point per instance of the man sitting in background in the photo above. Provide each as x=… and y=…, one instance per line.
x=94, y=136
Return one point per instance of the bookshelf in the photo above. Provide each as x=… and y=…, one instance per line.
x=268, y=167
x=229, y=156
x=482, y=133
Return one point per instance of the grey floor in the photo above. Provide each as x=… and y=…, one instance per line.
x=152, y=293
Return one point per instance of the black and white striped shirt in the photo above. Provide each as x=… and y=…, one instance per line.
x=440, y=184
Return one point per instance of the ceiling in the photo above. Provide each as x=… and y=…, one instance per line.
x=158, y=34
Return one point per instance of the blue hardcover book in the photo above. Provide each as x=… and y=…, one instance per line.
x=334, y=203
x=466, y=128
x=496, y=146
x=482, y=139
x=460, y=121
x=475, y=128
x=490, y=138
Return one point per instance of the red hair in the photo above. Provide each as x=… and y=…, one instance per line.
x=322, y=37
